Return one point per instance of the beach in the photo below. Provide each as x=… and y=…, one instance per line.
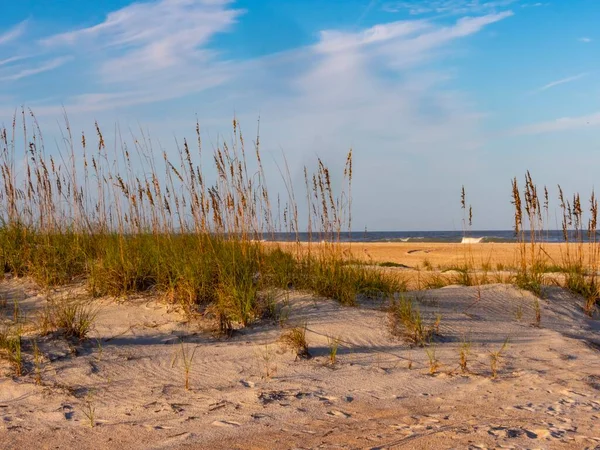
x=124, y=386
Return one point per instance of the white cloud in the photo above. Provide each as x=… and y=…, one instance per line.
x=14, y=33
x=19, y=73
x=149, y=52
x=369, y=89
x=145, y=40
x=446, y=6
x=561, y=81
x=585, y=40
x=534, y=5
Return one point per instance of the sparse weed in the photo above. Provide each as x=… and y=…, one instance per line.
x=334, y=343
x=495, y=358
x=267, y=355
x=434, y=363
x=464, y=352
x=187, y=359
x=295, y=339
x=89, y=410
x=37, y=362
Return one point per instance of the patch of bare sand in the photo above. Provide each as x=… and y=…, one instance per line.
x=546, y=395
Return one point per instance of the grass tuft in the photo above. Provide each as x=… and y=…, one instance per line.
x=295, y=340
x=406, y=320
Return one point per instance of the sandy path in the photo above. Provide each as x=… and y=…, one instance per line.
x=547, y=394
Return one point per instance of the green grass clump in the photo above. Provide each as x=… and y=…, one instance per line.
x=74, y=319
x=406, y=320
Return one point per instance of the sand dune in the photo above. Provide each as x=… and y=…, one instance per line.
x=546, y=395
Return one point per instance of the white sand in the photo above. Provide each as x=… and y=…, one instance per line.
x=547, y=394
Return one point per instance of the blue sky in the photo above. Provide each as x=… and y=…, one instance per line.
x=430, y=94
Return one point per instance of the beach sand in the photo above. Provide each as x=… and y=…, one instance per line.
x=378, y=394
x=442, y=256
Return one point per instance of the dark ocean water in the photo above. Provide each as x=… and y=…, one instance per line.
x=431, y=236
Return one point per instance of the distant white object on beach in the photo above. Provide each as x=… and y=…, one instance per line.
x=470, y=240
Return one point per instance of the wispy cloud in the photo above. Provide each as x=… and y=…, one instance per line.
x=534, y=5
x=561, y=81
x=562, y=124
x=13, y=33
x=34, y=70
x=148, y=52
x=373, y=88
x=585, y=40
x=145, y=39
x=446, y=6
x=405, y=43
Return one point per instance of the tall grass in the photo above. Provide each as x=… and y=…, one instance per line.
x=131, y=218
x=580, y=273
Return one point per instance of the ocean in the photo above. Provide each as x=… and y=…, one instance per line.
x=434, y=236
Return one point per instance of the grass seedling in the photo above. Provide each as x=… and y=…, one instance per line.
x=495, y=358
x=186, y=358
x=333, y=348
x=267, y=356
x=465, y=352
x=89, y=410
x=37, y=362
x=434, y=363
